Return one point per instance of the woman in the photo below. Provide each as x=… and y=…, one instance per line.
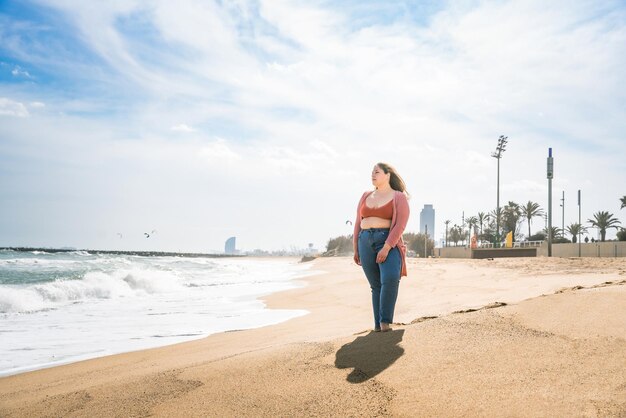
x=382, y=215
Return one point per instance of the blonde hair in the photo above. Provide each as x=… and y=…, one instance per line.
x=395, y=181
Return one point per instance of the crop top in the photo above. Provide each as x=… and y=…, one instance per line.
x=384, y=212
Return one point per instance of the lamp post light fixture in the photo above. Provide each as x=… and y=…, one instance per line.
x=497, y=154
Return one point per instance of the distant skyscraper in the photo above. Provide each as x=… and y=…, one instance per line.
x=229, y=247
x=427, y=218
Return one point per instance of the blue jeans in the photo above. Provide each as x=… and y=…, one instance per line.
x=384, y=278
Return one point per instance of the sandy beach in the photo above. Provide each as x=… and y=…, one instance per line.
x=505, y=337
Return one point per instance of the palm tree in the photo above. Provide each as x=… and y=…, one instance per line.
x=575, y=229
x=455, y=234
x=472, y=223
x=482, y=217
x=447, y=223
x=531, y=210
x=511, y=215
x=604, y=220
x=623, y=200
x=494, y=215
x=555, y=232
x=489, y=228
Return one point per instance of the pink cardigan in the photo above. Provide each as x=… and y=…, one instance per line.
x=399, y=220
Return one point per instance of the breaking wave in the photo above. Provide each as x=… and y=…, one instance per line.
x=93, y=285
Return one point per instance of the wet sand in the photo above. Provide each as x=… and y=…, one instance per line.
x=506, y=337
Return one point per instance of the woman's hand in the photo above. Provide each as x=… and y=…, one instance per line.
x=382, y=254
x=357, y=259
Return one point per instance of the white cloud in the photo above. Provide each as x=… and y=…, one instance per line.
x=324, y=148
x=18, y=72
x=10, y=107
x=286, y=159
x=478, y=160
x=182, y=128
x=37, y=105
x=524, y=186
x=218, y=151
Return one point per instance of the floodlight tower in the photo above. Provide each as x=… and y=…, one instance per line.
x=497, y=154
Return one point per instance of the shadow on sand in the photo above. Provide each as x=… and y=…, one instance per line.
x=369, y=354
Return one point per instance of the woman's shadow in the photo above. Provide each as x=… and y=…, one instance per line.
x=369, y=354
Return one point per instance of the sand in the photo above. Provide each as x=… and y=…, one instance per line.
x=507, y=337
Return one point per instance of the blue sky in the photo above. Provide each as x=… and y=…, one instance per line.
x=262, y=119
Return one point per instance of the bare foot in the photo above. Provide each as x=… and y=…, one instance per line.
x=384, y=327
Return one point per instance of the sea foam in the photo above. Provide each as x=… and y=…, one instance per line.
x=94, y=285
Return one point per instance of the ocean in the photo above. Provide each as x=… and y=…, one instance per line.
x=57, y=308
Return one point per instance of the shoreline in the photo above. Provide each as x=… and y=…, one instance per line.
x=59, y=357
x=319, y=355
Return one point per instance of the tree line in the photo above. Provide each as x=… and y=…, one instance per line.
x=512, y=215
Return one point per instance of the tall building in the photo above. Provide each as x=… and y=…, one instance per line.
x=427, y=219
x=229, y=247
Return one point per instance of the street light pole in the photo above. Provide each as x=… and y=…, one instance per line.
x=580, y=226
x=550, y=175
x=498, y=206
x=563, y=214
x=497, y=154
